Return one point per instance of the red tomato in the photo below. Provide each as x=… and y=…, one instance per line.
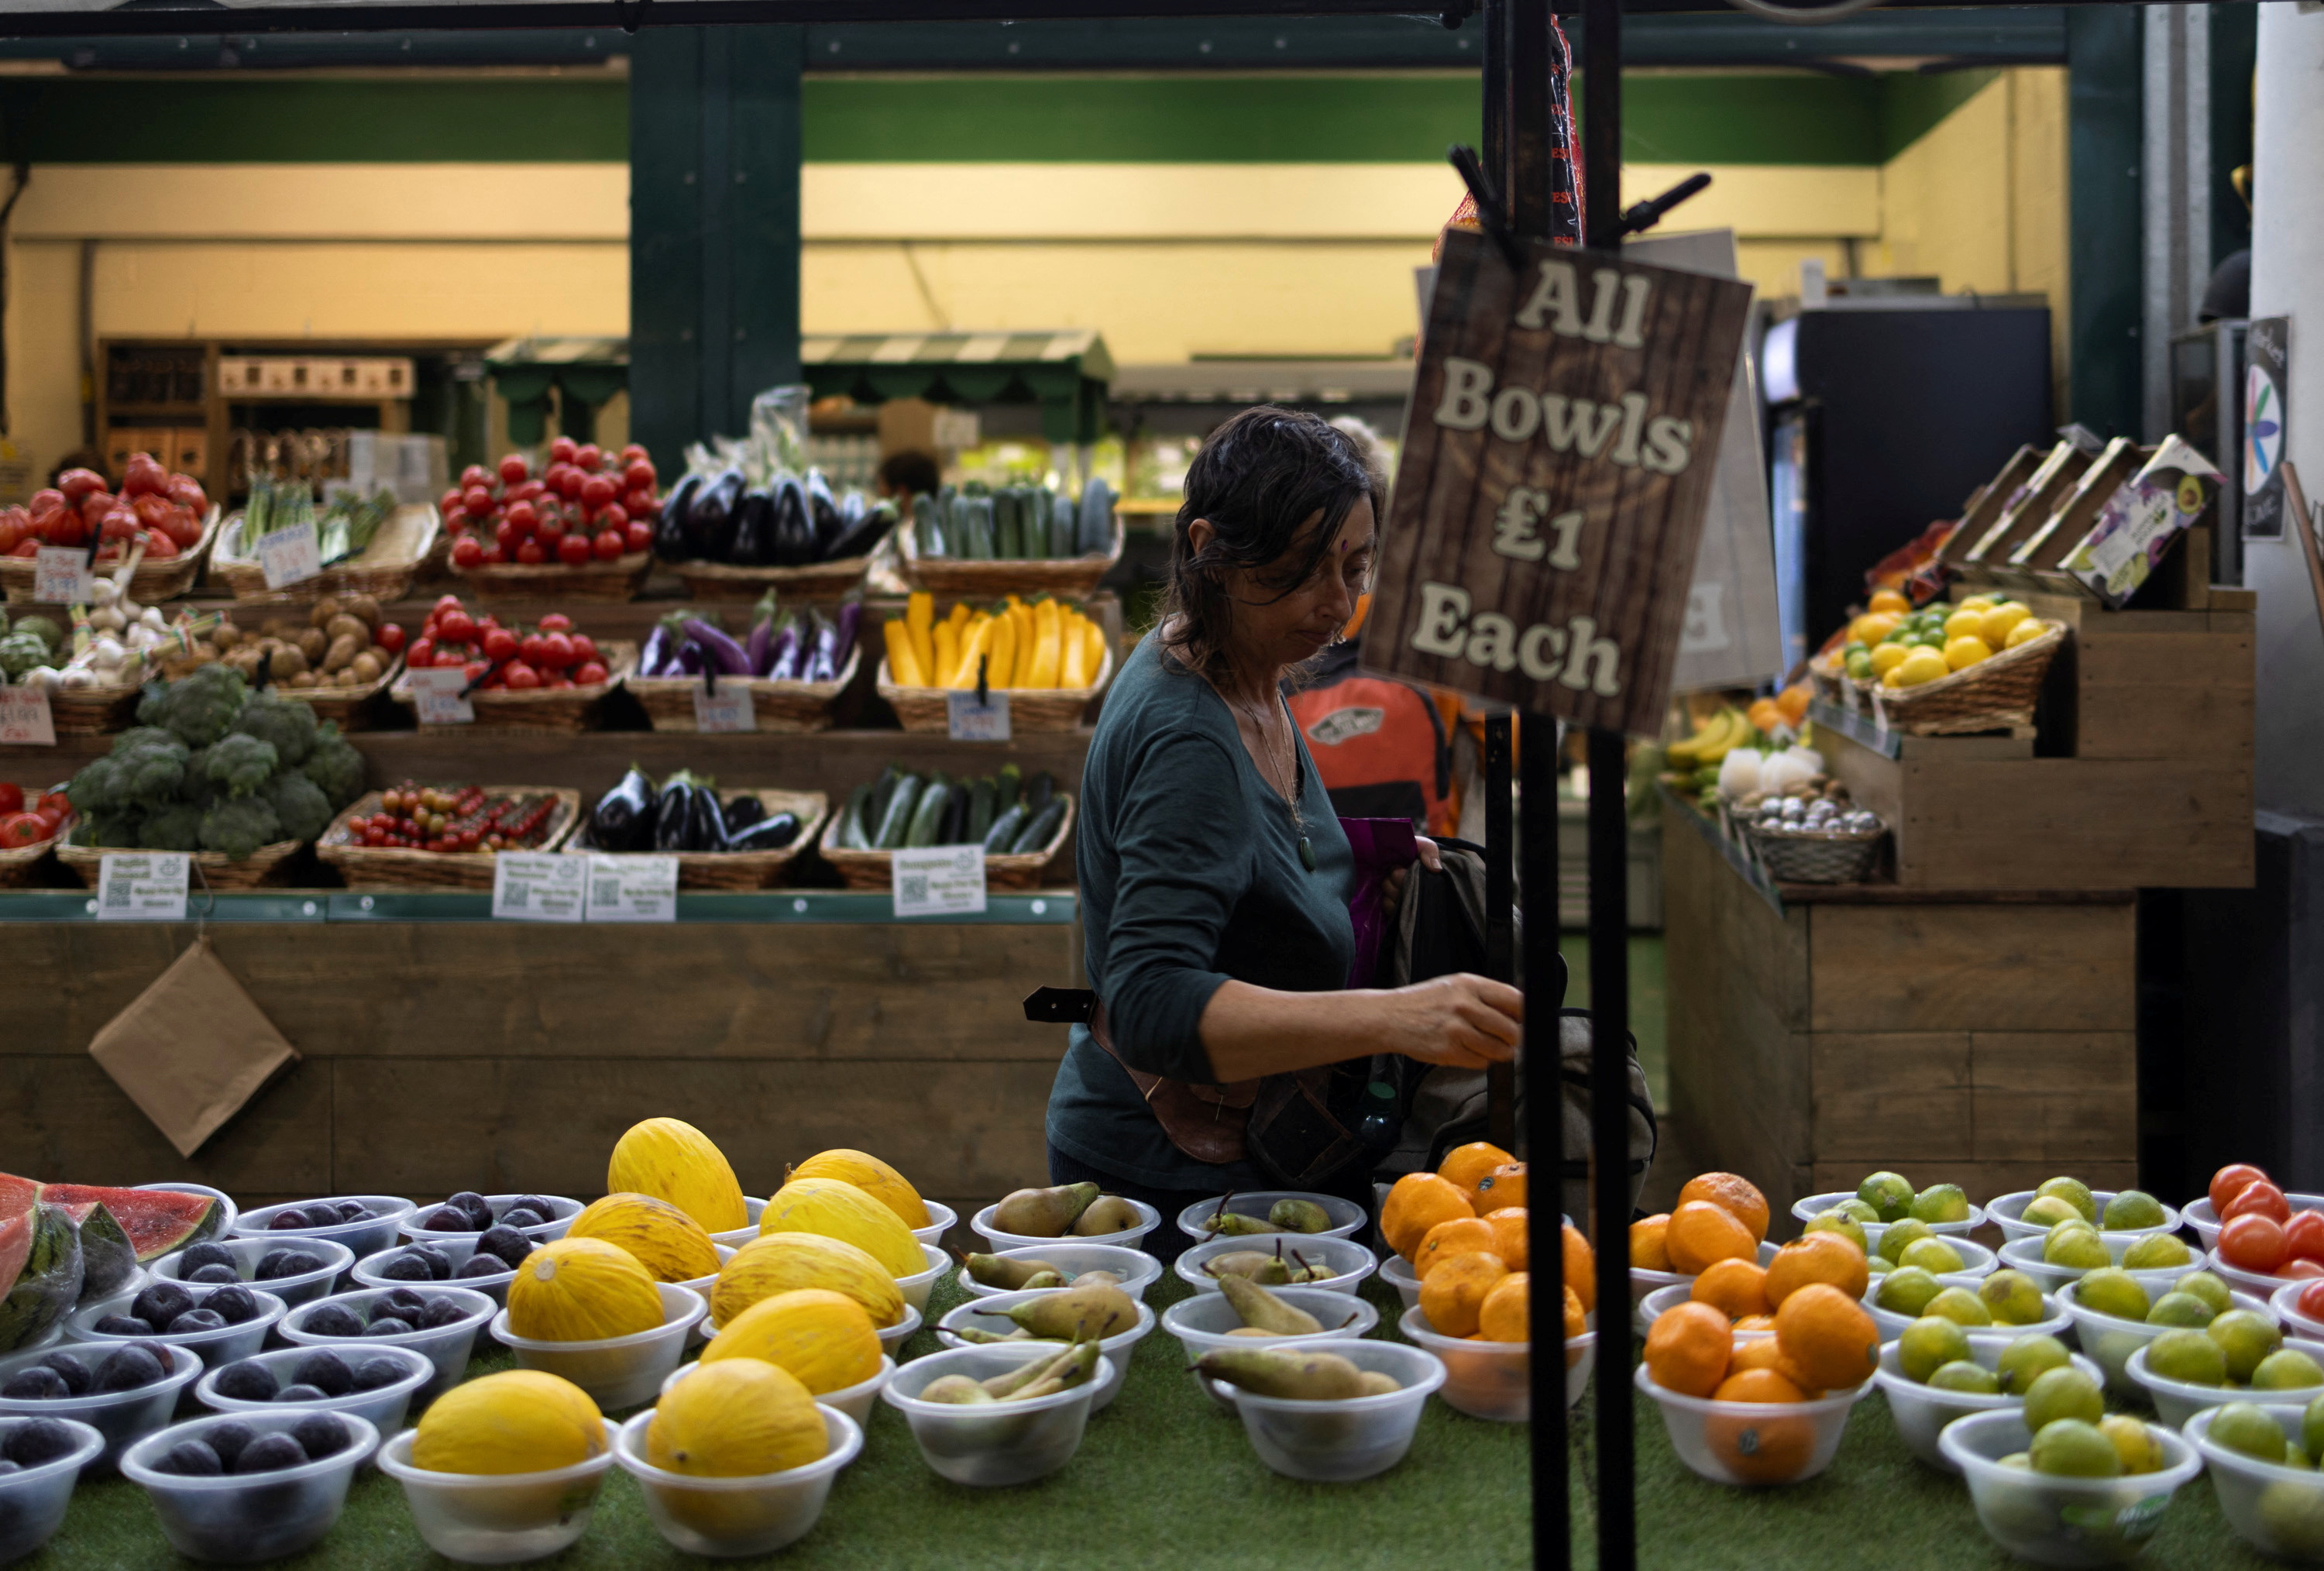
x=523, y=515
x=514, y=470
x=530, y=648
x=638, y=474
x=187, y=492
x=389, y=636
x=528, y=491
x=559, y=680
x=150, y=506
x=518, y=675
x=613, y=515
x=95, y=505
x=562, y=448
x=556, y=652
x=77, y=484
x=12, y=531
x=555, y=622
x=570, y=481
x=120, y=523
x=183, y=526
x=455, y=625
x=588, y=674
x=20, y=829
x=499, y=644
x=530, y=553
x=12, y=797
x=159, y=547
x=573, y=550
x=29, y=547
x=633, y=453
x=507, y=532
x=639, y=502
x=47, y=500
x=473, y=475
x=444, y=602
x=585, y=648
x=589, y=455
x=598, y=490
x=468, y=551
x=57, y=802
x=2300, y=1267
x=2304, y=1235
x=67, y=527
x=450, y=503
x=607, y=545
x=638, y=537
x=2310, y=1302
x=2252, y=1241
x=2258, y=1198
x=548, y=530
x=476, y=668
x=476, y=500
x=423, y=652
x=495, y=556
x=2228, y=1182
x=144, y=476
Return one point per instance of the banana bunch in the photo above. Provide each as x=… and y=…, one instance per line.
x=1710, y=741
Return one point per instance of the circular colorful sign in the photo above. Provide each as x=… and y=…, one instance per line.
x=2262, y=427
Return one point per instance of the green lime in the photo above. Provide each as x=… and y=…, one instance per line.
x=2287, y=1369
x=2078, y=1247
x=1838, y=1222
x=2157, y=1251
x=2134, y=1442
x=2111, y=1291
x=2246, y=1338
x=2074, y=1448
x=1965, y=1375
x=1900, y=1234
x=1907, y=1290
x=1959, y=1304
x=1855, y=646
x=1888, y=1194
x=1940, y=1203
x=1928, y=1344
x=2011, y=1297
x=2073, y=1192
x=1863, y=1211
x=2311, y=1427
x=2176, y=1308
x=2246, y=1430
x=2207, y=1287
x=2062, y=1394
x=2048, y=1211
x=1932, y=1254
x=2296, y=1456
x=2189, y=1357
x=2291, y=1510
x=2028, y=1359
x=2020, y=1460
x=1878, y=1265
x=2132, y=1209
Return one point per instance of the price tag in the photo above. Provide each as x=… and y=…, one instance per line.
x=944, y=881
x=539, y=886
x=142, y=886
x=290, y=556
x=727, y=709
x=437, y=691
x=24, y=718
x=60, y=575
x=632, y=889
x=971, y=721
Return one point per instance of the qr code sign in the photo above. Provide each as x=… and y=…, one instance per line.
x=117, y=895
x=913, y=888
x=606, y=892
x=517, y=895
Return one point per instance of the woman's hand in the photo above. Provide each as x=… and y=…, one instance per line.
x=1431, y=857
x=1465, y=1020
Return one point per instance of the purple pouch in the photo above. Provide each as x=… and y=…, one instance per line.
x=1381, y=845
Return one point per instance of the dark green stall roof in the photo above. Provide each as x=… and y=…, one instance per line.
x=1065, y=372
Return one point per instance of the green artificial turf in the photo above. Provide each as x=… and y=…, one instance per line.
x=1163, y=1478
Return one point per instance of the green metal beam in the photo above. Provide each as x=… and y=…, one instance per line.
x=2105, y=142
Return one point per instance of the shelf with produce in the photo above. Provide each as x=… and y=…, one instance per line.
x=1036, y=907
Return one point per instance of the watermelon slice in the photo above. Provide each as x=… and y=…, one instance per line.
x=120, y=1229
x=40, y=1274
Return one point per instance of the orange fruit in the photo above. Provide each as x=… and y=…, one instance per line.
x=1757, y=1385
x=1505, y=1186
x=1511, y=1241
x=1765, y=1352
x=1462, y=1235
x=1418, y=1202
x=1761, y=1448
x=1505, y=1314
x=1739, y=1195
x=1888, y=600
x=1650, y=1242
x=1735, y=1288
x=1830, y=1258
x=1701, y=1233
x=1454, y=1296
x=1756, y=1322
x=1827, y=1334
x=1580, y=1262
x=1576, y=1320
x=1687, y=1349
x=1463, y=1165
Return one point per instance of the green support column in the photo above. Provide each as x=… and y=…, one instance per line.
x=2106, y=69
x=713, y=229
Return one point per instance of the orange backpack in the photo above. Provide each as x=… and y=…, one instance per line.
x=1379, y=745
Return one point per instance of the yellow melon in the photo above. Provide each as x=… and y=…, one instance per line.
x=871, y=1175
x=581, y=1289
x=736, y=1419
x=520, y=1420
x=824, y=1338
x=780, y=1262
x=841, y=1211
x=671, y=1245
x=670, y=1159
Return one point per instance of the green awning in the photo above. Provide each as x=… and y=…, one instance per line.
x=587, y=371
x=1065, y=373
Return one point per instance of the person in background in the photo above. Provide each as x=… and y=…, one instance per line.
x=906, y=475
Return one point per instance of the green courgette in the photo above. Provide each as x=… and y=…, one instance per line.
x=897, y=821
x=928, y=816
x=852, y=834
x=1042, y=829
x=1004, y=831
x=980, y=812
x=1006, y=788
x=1039, y=790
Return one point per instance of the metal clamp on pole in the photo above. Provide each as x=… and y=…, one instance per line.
x=1646, y=215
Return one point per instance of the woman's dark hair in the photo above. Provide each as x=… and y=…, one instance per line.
x=1257, y=479
x=911, y=474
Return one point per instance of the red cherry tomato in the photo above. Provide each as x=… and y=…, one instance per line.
x=633, y=452
x=608, y=545
x=2259, y=1199
x=548, y=530
x=423, y=652
x=573, y=550
x=570, y=482
x=506, y=532
x=452, y=502
x=585, y=648
x=2253, y=1243
x=499, y=644
x=523, y=515
x=2228, y=1182
x=562, y=448
x=513, y=470
x=20, y=829
x=473, y=475
x=468, y=551
x=589, y=455
x=518, y=675
x=444, y=602
x=613, y=516
x=2304, y=1235
x=389, y=636
x=456, y=626
x=639, y=503
x=477, y=502
x=495, y=556
x=12, y=797
x=638, y=537
x=588, y=674
x=598, y=490
x=556, y=622
x=531, y=649
x=476, y=668
x=531, y=554
x=556, y=652
x=638, y=474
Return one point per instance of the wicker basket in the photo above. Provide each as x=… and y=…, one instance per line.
x=780, y=707
x=347, y=705
x=957, y=575
x=384, y=571
x=211, y=869
x=562, y=710
x=1993, y=695
x=619, y=579
x=17, y=864
x=152, y=582
x=1030, y=709
x=400, y=867
x=870, y=869
x=93, y=711
x=1800, y=856
x=816, y=581
x=745, y=870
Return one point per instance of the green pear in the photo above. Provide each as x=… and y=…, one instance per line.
x=1098, y=1279
x=1264, y=1311
x=972, y=1333
x=954, y=1388
x=1293, y=1215
x=994, y=1270
x=1255, y=1264
x=1043, y=1212
x=1070, y=1368
x=1093, y=1313
x=1048, y=1279
x=1275, y=1371
x=1106, y=1214
x=1225, y=1224
x=1379, y=1382
x=1033, y=1372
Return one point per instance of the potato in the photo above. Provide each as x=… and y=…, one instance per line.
x=288, y=659
x=226, y=635
x=245, y=661
x=324, y=609
x=303, y=680
x=312, y=642
x=342, y=652
x=367, y=668
x=346, y=626
x=362, y=607
x=276, y=627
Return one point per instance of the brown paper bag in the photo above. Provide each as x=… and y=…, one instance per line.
x=192, y=1049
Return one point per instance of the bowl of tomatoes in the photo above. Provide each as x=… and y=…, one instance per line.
x=166, y=521
x=543, y=675
x=31, y=824
x=582, y=524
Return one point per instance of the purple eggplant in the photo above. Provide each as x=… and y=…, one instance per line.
x=850, y=614
x=782, y=655
x=657, y=650
x=820, y=666
x=718, y=649
x=690, y=661
x=759, y=647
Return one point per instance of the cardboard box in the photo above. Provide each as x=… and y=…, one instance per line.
x=2141, y=521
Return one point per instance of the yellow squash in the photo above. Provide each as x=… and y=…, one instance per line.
x=672, y=1160
x=670, y=1244
x=582, y=1290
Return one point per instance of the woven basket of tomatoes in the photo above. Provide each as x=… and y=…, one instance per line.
x=582, y=526
x=548, y=677
x=415, y=836
x=165, y=519
x=32, y=822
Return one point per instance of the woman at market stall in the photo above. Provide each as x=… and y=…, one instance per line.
x=1214, y=879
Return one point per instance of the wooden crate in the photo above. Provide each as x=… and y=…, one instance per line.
x=2152, y=684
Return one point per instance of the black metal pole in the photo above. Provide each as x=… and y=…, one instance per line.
x=1500, y=940
x=1496, y=75
x=1545, y=1147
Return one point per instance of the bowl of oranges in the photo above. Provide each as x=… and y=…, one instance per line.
x=1763, y=1410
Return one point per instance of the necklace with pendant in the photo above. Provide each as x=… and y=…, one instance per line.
x=1291, y=796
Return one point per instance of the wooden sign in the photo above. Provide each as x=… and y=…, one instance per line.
x=1561, y=446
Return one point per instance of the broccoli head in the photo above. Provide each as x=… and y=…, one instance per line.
x=299, y=804
x=240, y=826
x=239, y=764
x=96, y=787
x=336, y=766
x=175, y=827
x=198, y=787
x=286, y=723
x=200, y=708
x=151, y=769
x=111, y=827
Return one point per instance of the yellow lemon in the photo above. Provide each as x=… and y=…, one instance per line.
x=1962, y=653
x=2025, y=632
x=1872, y=626
x=1978, y=602
x=1923, y=665
x=1891, y=679
x=2000, y=621
x=1964, y=624
x=1889, y=600
x=1888, y=658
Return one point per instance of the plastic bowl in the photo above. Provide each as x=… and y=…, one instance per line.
x=1662, y=1300
x=855, y=1400
x=916, y=1287
x=1346, y=1215
x=293, y=1291
x=1139, y=1270
x=1494, y=1379
x=2176, y=1402
x=994, y=1445
x=1343, y=1441
x=1923, y=1411
x=361, y=1238
x=2004, y=1210
x=226, y=1344
x=498, y=1519
x=447, y=1347
x=2279, y=1511
x=891, y=1337
x=1754, y=1442
x=1148, y=1219
x=228, y=1212
x=941, y=1218
x=2110, y=1340
x=2025, y=1254
x=1117, y=1347
x=2053, y=1521
x=32, y=1500
x=2198, y=1215
x=562, y=1212
x=733, y=1517
x=699, y=1332
x=1815, y=1206
x=1396, y=1272
x=383, y=1408
x=122, y=1417
x=239, y=1517
x=736, y=1237
x=1647, y=1285
x=1201, y=1323
x=456, y=1250
x=617, y=1371
x=2283, y=1304
x=2258, y=1284
x=1350, y=1261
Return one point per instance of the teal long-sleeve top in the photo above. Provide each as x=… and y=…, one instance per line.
x=1191, y=875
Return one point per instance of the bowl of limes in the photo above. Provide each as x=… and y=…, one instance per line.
x=2263, y=1463
x=2002, y=1301
x=1883, y=1199
x=2236, y=1356
x=2073, y=1250
x=2032, y=1213
x=2115, y=1315
x=2073, y=1493
x=1937, y=1372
